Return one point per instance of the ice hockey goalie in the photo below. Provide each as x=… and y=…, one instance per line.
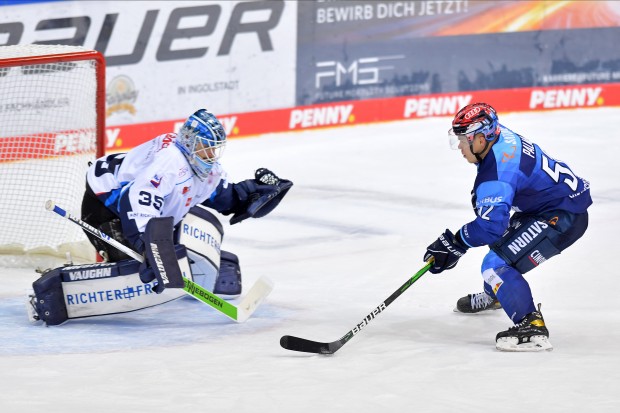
x=77, y=291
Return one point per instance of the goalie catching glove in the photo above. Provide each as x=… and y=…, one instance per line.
x=446, y=250
x=260, y=195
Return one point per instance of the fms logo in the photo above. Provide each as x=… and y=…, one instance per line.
x=121, y=95
x=364, y=71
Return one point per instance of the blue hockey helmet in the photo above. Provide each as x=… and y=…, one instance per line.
x=471, y=120
x=202, y=140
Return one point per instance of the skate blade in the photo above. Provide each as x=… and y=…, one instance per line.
x=33, y=317
x=536, y=343
x=493, y=308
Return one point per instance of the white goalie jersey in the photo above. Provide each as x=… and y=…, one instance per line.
x=152, y=180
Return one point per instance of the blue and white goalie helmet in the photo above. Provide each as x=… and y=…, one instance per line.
x=202, y=140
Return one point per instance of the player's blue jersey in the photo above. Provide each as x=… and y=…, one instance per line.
x=517, y=174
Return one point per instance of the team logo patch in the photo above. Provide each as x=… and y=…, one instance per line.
x=496, y=287
x=472, y=113
x=508, y=156
x=156, y=180
x=186, y=189
x=166, y=141
x=537, y=258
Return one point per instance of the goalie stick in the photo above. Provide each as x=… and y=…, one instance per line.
x=308, y=346
x=259, y=291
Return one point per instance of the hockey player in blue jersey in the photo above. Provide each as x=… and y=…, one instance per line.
x=549, y=204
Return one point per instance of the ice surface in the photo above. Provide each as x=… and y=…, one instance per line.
x=367, y=201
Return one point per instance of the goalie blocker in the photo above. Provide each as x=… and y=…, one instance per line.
x=159, y=256
x=79, y=291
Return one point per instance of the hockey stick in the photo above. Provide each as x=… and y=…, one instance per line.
x=259, y=291
x=309, y=346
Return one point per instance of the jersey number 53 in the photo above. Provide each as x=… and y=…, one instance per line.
x=559, y=169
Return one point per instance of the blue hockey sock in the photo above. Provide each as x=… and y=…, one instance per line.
x=489, y=291
x=513, y=293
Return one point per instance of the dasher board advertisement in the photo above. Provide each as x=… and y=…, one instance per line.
x=351, y=50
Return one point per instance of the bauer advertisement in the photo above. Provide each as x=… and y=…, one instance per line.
x=166, y=59
x=350, y=50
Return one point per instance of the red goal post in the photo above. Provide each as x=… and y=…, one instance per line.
x=52, y=121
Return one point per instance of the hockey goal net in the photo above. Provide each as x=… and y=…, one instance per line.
x=52, y=113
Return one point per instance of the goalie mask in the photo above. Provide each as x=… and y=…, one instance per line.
x=202, y=140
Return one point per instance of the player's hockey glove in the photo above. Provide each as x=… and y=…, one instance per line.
x=260, y=195
x=446, y=250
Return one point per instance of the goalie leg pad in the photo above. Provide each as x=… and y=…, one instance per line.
x=79, y=291
x=201, y=232
x=49, y=299
x=228, y=282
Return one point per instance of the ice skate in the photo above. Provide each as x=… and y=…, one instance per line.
x=530, y=334
x=474, y=303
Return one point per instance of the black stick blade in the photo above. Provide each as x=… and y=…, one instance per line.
x=308, y=346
